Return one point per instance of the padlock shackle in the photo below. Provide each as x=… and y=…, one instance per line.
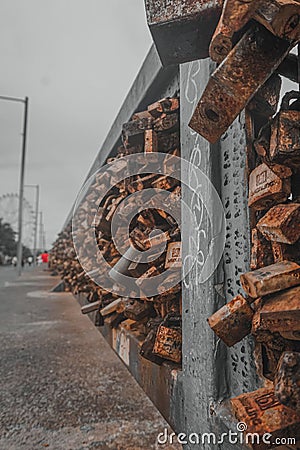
x=292, y=95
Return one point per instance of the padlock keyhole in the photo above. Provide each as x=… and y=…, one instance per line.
x=212, y=115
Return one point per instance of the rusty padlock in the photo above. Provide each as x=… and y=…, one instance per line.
x=286, y=252
x=262, y=412
x=233, y=321
x=281, y=17
x=269, y=347
x=168, y=340
x=287, y=380
x=146, y=350
x=285, y=132
x=138, y=310
x=264, y=104
x=232, y=85
x=281, y=223
x=133, y=131
x=271, y=279
x=269, y=185
x=261, y=251
x=173, y=256
x=281, y=312
x=164, y=106
x=270, y=358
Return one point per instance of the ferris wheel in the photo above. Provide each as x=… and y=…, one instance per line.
x=9, y=209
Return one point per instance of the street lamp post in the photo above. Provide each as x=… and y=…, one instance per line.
x=42, y=233
x=22, y=175
x=37, y=187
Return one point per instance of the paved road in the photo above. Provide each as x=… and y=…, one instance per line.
x=61, y=386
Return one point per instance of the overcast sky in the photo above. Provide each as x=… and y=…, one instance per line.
x=75, y=60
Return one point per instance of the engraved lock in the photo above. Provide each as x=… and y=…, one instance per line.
x=173, y=256
x=269, y=186
x=233, y=321
x=271, y=279
x=285, y=132
x=281, y=223
x=263, y=413
x=287, y=380
x=168, y=340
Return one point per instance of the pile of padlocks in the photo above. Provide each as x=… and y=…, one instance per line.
x=270, y=307
x=157, y=318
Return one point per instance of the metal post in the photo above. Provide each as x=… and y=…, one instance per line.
x=21, y=192
x=37, y=197
x=22, y=173
x=36, y=223
x=44, y=237
x=41, y=232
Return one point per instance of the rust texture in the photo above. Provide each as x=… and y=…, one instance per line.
x=261, y=251
x=281, y=17
x=160, y=11
x=281, y=312
x=281, y=223
x=286, y=252
x=270, y=279
x=166, y=105
x=263, y=413
x=233, y=321
x=285, y=132
x=291, y=335
x=265, y=101
x=235, y=14
x=287, y=381
x=151, y=141
x=168, y=341
x=249, y=64
x=269, y=186
x=269, y=347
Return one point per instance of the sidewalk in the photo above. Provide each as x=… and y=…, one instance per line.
x=62, y=387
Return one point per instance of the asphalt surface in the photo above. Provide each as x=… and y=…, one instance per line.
x=61, y=386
